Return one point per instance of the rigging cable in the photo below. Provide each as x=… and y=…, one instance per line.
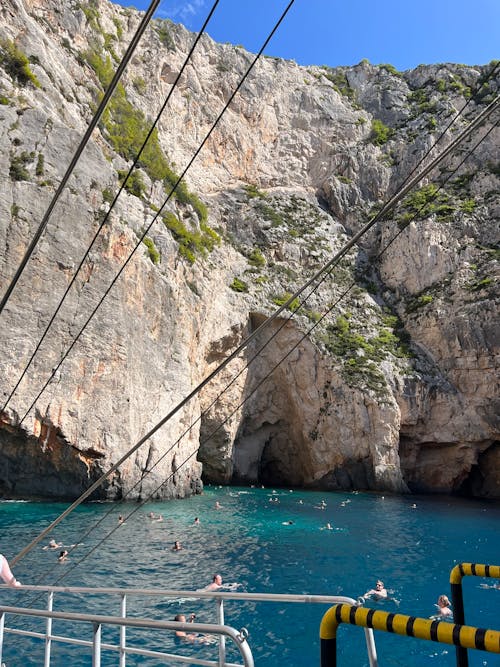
x=145, y=232
x=305, y=335
x=112, y=205
x=259, y=384
x=54, y=371
x=387, y=207
x=466, y=132
x=86, y=137
x=482, y=82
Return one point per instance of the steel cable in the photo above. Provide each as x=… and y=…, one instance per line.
x=385, y=209
x=54, y=371
x=259, y=384
x=113, y=203
x=86, y=137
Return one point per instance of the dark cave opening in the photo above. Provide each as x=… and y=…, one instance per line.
x=483, y=480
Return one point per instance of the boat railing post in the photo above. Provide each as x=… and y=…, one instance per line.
x=2, y=625
x=371, y=648
x=123, y=632
x=48, y=630
x=96, y=645
x=222, y=639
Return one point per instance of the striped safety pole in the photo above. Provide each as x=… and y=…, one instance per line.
x=410, y=626
x=457, y=598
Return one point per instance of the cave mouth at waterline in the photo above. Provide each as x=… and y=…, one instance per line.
x=268, y=456
x=446, y=468
x=46, y=467
x=483, y=480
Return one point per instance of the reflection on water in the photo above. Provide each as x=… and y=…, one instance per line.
x=267, y=546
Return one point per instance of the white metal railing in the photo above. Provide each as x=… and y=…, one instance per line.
x=123, y=622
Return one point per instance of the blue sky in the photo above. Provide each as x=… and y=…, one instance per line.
x=332, y=32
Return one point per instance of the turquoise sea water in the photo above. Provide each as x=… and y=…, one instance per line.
x=410, y=542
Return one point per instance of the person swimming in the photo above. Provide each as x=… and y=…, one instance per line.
x=52, y=545
x=189, y=636
x=444, y=606
x=378, y=593
x=216, y=583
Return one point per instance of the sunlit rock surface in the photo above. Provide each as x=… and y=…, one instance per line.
x=385, y=378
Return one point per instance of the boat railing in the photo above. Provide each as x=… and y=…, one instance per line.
x=123, y=622
x=461, y=636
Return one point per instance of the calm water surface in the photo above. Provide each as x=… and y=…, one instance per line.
x=410, y=542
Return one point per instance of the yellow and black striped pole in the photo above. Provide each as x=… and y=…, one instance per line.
x=457, y=599
x=410, y=626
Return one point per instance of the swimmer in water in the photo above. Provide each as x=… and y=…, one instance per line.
x=53, y=545
x=443, y=605
x=378, y=593
x=185, y=636
x=321, y=506
x=216, y=583
x=63, y=556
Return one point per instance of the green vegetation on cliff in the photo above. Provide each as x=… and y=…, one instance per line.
x=191, y=242
x=362, y=353
x=16, y=64
x=126, y=129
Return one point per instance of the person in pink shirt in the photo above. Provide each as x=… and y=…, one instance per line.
x=6, y=573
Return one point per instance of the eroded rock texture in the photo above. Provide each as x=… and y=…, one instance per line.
x=385, y=377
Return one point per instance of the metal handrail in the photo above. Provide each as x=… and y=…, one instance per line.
x=457, y=573
x=201, y=594
x=123, y=621
x=401, y=624
x=238, y=637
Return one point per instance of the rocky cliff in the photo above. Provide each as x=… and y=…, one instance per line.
x=384, y=378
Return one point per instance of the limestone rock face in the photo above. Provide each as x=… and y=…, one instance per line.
x=382, y=374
